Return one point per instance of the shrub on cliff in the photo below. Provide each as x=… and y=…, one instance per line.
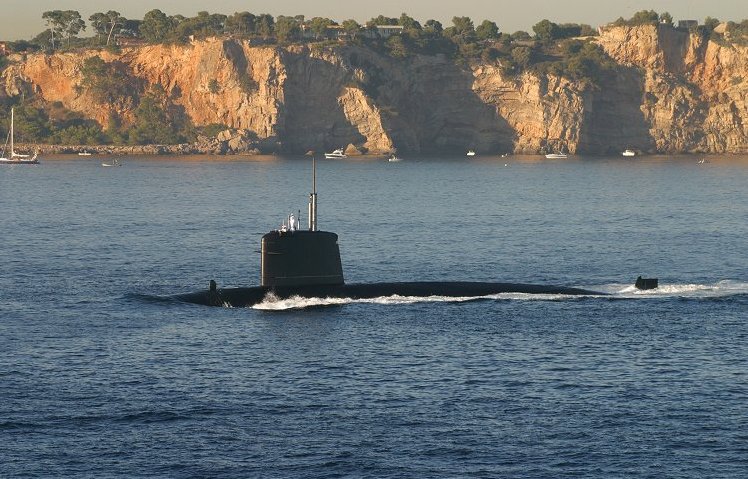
x=738, y=32
x=547, y=31
x=53, y=124
x=156, y=26
x=212, y=130
x=580, y=60
x=108, y=82
x=201, y=26
x=159, y=121
x=642, y=17
x=287, y=29
x=88, y=133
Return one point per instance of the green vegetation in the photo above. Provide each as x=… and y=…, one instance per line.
x=643, y=17
x=158, y=120
x=579, y=60
x=213, y=129
x=108, y=82
x=462, y=40
x=107, y=24
x=546, y=31
x=53, y=124
x=738, y=32
x=67, y=23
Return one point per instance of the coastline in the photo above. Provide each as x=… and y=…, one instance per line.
x=116, y=150
x=187, y=149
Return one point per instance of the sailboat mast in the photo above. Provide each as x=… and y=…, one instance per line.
x=12, y=151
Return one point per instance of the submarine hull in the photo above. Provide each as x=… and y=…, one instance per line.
x=244, y=297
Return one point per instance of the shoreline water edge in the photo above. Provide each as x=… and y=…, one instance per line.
x=191, y=149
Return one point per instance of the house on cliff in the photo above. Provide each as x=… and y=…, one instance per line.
x=337, y=32
x=384, y=31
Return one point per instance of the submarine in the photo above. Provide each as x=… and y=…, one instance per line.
x=307, y=263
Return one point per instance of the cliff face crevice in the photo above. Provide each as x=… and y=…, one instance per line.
x=673, y=91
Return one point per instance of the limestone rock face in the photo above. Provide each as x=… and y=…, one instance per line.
x=537, y=114
x=694, y=90
x=673, y=91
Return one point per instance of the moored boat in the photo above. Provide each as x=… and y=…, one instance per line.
x=16, y=158
x=114, y=162
x=336, y=154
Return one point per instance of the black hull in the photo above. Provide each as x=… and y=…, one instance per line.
x=243, y=297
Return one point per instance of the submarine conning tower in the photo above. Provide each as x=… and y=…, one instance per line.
x=294, y=257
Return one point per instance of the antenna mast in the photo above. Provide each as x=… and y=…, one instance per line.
x=313, y=198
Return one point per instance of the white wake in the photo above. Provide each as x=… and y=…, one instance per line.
x=273, y=303
x=614, y=290
x=685, y=290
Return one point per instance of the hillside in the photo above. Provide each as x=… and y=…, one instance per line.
x=670, y=91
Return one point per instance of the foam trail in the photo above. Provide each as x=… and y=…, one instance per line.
x=273, y=303
x=719, y=289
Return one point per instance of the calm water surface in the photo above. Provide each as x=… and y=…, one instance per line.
x=102, y=375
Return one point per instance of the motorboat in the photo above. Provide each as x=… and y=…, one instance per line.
x=16, y=158
x=556, y=156
x=628, y=152
x=471, y=153
x=336, y=154
x=114, y=162
x=84, y=153
x=394, y=158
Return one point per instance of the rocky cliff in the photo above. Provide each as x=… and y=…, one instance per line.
x=694, y=91
x=672, y=91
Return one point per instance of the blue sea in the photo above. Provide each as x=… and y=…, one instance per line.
x=104, y=374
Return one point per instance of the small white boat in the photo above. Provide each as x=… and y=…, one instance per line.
x=471, y=153
x=628, y=152
x=336, y=154
x=114, y=162
x=16, y=158
x=394, y=158
x=556, y=156
x=84, y=153
x=703, y=161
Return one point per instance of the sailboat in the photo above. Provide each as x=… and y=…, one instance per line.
x=16, y=158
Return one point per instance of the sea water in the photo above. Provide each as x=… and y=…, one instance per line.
x=102, y=374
